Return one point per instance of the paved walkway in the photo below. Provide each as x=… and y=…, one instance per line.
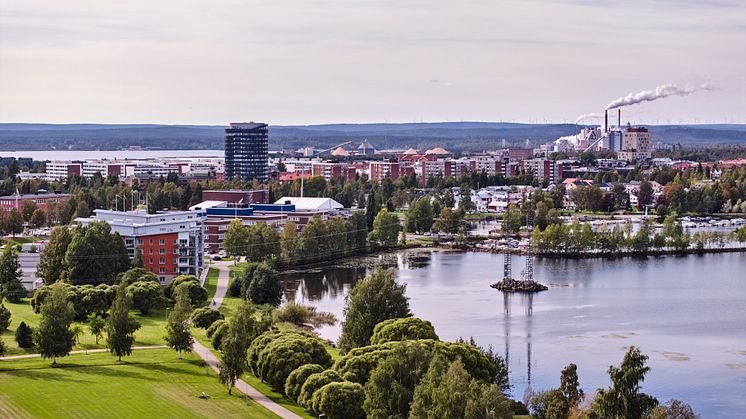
x=85, y=351
x=203, y=352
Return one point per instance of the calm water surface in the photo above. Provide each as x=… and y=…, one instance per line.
x=687, y=313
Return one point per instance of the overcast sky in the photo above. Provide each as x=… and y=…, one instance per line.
x=305, y=62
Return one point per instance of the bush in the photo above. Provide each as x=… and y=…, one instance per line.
x=24, y=336
x=408, y=328
x=340, y=400
x=204, y=317
x=219, y=334
x=313, y=383
x=301, y=315
x=288, y=352
x=213, y=327
x=298, y=377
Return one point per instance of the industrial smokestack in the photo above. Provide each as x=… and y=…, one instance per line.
x=619, y=118
x=606, y=120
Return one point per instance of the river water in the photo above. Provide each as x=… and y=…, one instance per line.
x=686, y=312
x=111, y=155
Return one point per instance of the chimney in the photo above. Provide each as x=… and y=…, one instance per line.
x=619, y=118
x=606, y=120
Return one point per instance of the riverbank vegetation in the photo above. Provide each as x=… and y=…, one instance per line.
x=580, y=239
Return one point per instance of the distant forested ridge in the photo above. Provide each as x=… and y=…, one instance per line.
x=454, y=136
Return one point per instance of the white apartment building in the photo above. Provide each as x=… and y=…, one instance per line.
x=171, y=242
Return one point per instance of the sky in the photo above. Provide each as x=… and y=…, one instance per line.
x=309, y=62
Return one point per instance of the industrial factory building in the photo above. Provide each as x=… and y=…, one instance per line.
x=630, y=143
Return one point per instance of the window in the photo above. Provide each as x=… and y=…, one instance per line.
x=161, y=261
x=161, y=242
x=162, y=270
x=162, y=279
x=150, y=251
x=175, y=262
x=176, y=251
x=162, y=251
x=175, y=242
x=151, y=261
x=151, y=241
x=139, y=241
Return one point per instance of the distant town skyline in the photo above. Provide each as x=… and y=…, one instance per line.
x=334, y=61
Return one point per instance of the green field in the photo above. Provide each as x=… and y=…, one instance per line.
x=211, y=283
x=150, y=383
x=151, y=331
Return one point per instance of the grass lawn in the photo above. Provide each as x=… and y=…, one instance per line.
x=150, y=383
x=211, y=283
x=151, y=331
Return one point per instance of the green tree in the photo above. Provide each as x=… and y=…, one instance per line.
x=27, y=209
x=236, y=240
x=137, y=259
x=443, y=392
x=205, y=317
x=371, y=301
x=13, y=222
x=54, y=338
x=146, y=296
x=402, y=329
x=286, y=352
x=239, y=334
x=51, y=265
x=83, y=257
x=120, y=326
x=390, y=388
x=313, y=383
x=340, y=400
x=420, y=215
x=97, y=325
x=644, y=194
x=178, y=334
x=624, y=399
x=449, y=221
x=289, y=242
x=38, y=218
x=10, y=275
x=386, y=229
x=4, y=316
x=197, y=293
x=511, y=224
x=265, y=286
x=24, y=336
x=298, y=377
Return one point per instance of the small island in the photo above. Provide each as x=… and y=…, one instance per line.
x=515, y=285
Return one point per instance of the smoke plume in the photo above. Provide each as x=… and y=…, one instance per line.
x=664, y=90
x=587, y=116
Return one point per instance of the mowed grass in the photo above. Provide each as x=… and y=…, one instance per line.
x=151, y=332
x=150, y=383
x=211, y=283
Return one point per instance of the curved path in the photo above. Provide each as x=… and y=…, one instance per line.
x=203, y=352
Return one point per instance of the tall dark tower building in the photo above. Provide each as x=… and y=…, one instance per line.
x=246, y=151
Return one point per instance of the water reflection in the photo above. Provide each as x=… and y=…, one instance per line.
x=686, y=313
